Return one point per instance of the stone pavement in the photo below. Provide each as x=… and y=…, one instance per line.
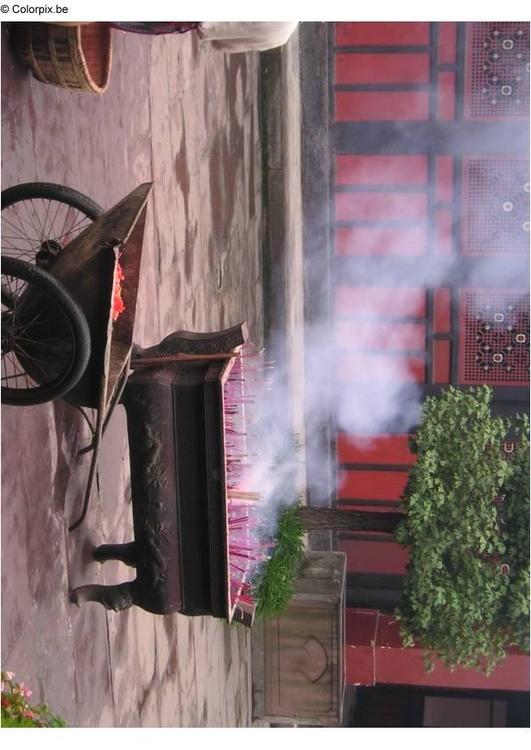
x=185, y=117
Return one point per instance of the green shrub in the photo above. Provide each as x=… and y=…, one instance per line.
x=466, y=596
x=273, y=586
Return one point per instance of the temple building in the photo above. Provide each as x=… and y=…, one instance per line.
x=416, y=215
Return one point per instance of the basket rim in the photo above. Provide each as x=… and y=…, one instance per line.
x=97, y=88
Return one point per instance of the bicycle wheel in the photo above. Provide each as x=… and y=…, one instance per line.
x=40, y=218
x=45, y=336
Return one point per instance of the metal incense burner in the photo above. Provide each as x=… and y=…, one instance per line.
x=174, y=406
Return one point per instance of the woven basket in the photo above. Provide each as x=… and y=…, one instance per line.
x=73, y=57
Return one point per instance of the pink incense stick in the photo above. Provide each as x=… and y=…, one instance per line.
x=238, y=520
x=233, y=565
x=246, y=555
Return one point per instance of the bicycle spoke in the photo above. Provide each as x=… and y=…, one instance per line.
x=52, y=222
x=42, y=364
x=30, y=217
x=27, y=255
x=19, y=370
x=34, y=223
x=15, y=376
x=16, y=237
x=79, y=226
x=32, y=322
x=45, y=233
x=40, y=341
x=19, y=226
x=14, y=289
x=67, y=215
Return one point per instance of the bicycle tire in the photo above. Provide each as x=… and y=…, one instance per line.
x=51, y=191
x=46, y=283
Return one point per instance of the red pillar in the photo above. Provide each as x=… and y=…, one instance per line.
x=374, y=654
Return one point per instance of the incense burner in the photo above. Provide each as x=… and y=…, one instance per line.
x=184, y=496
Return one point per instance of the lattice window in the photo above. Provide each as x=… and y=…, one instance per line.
x=497, y=70
x=494, y=337
x=495, y=206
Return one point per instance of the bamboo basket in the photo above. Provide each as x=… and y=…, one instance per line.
x=73, y=57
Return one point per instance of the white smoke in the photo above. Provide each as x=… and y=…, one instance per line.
x=384, y=398
x=381, y=393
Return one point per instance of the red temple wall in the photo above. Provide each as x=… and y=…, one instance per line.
x=422, y=206
x=374, y=654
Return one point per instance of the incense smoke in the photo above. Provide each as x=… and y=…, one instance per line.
x=385, y=399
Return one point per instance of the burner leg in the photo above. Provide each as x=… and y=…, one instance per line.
x=126, y=553
x=121, y=596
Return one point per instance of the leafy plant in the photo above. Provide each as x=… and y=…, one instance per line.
x=465, y=520
x=17, y=712
x=466, y=523
x=273, y=585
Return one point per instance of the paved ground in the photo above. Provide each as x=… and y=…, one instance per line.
x=186, y=118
